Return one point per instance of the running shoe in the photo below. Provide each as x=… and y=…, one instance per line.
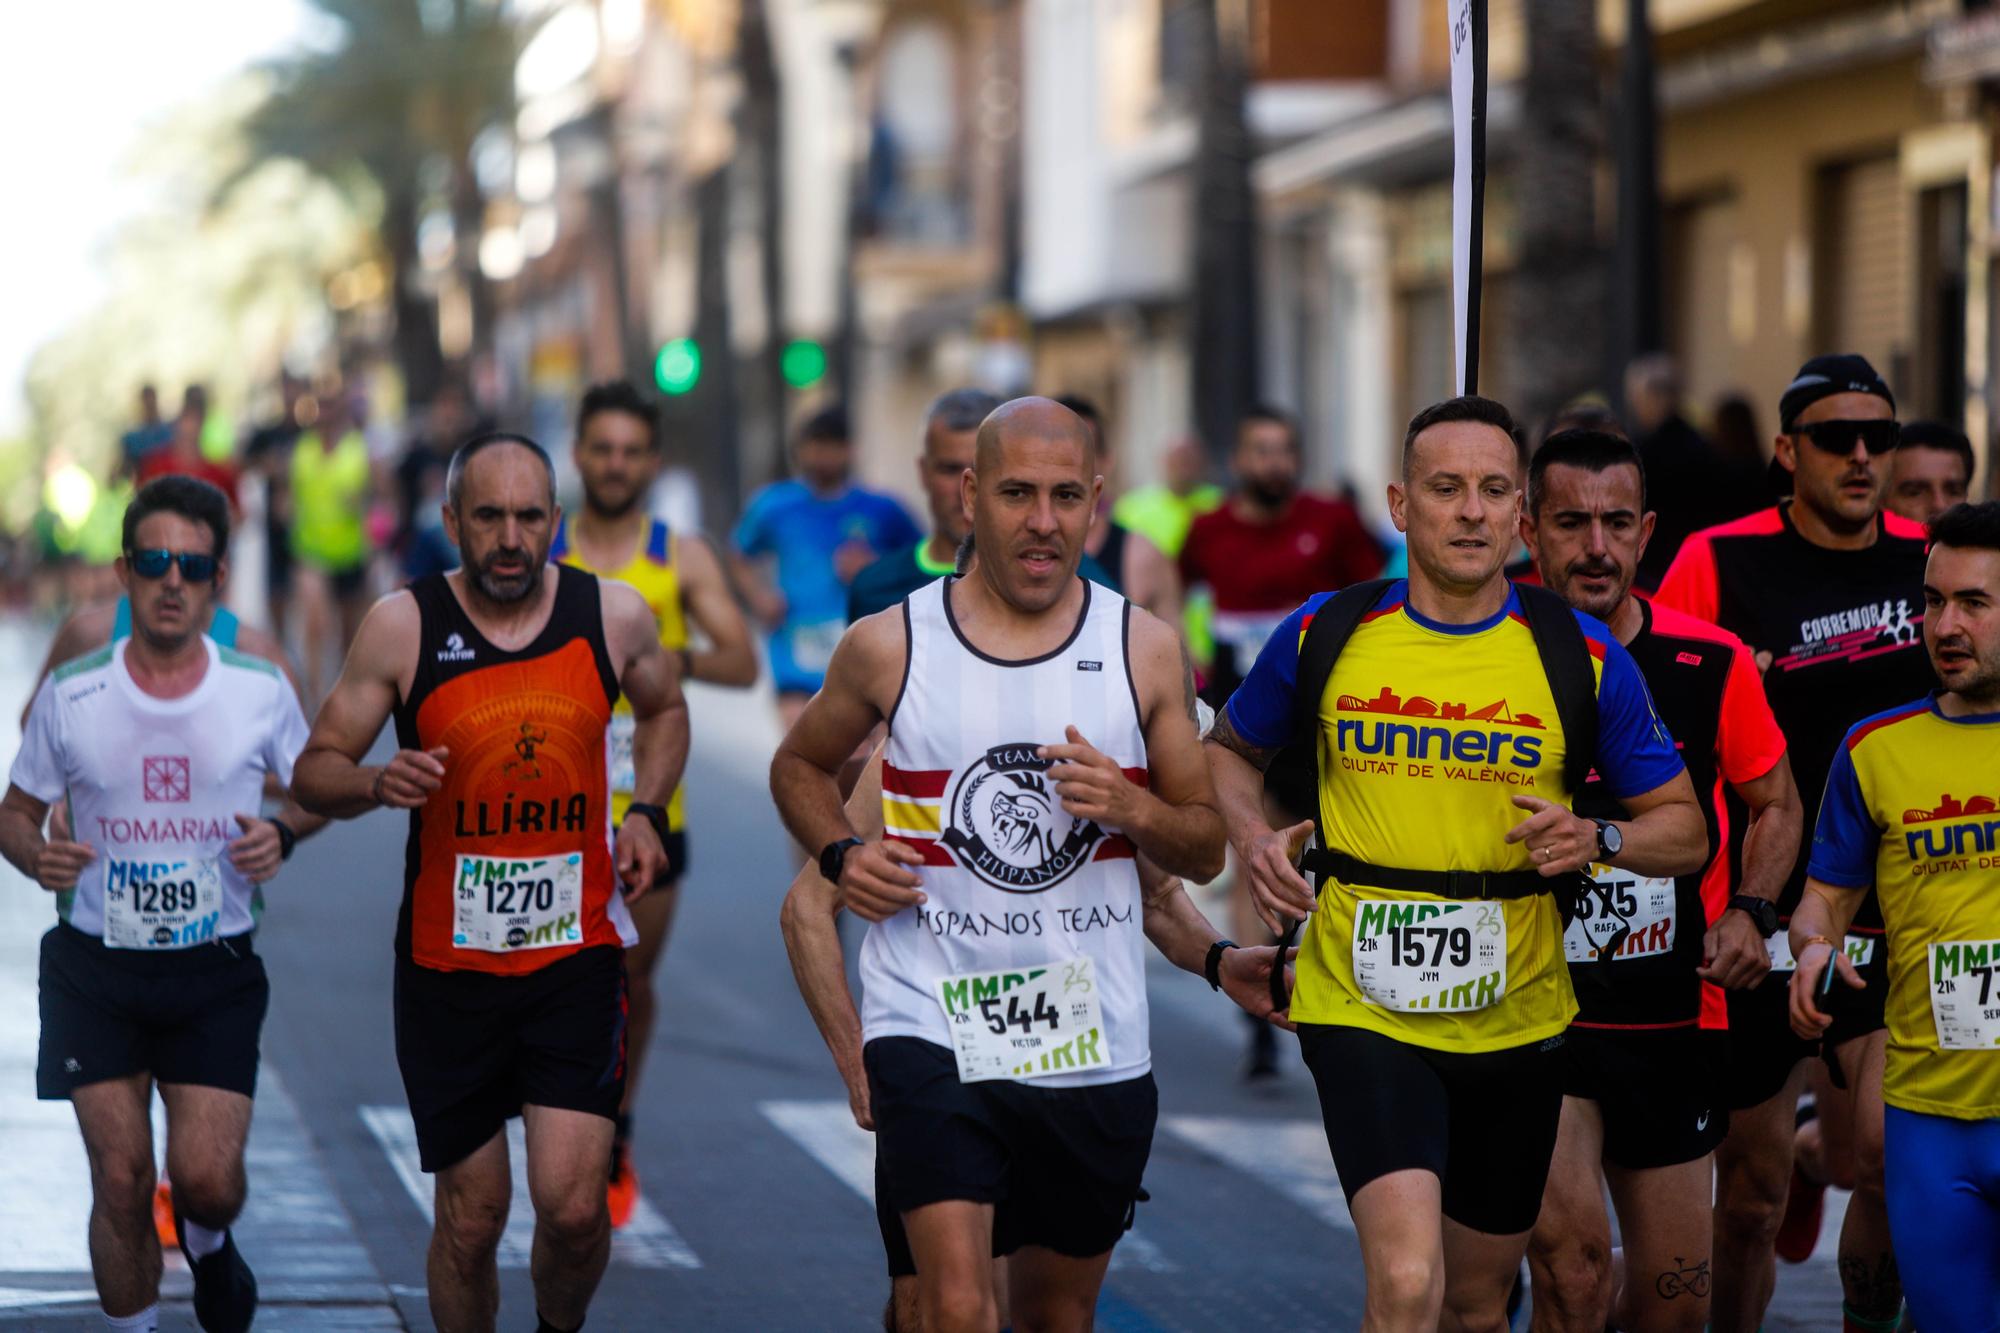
x=1798, y=1233
x=225, y=1290
x=622, y=1194
x=163, y=1213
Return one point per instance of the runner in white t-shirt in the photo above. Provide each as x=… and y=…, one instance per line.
x=162, y=743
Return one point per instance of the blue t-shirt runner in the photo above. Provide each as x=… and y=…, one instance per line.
x=804, y=531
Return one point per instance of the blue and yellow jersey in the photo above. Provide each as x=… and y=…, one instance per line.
x=1912, y=807
x=652, y=570
x=1427, y=731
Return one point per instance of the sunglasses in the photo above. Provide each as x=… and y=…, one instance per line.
x=153, y=562
x=1838, y=437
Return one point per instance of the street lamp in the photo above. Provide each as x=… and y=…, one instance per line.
x=851, y=25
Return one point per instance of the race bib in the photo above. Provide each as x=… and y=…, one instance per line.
x=1431, y=957
x=1025, y=1022
x=504, y=905
x=1860, y=950
x=1618, y=900
x=623, y=776
x=161, y=904
x=1964, y=1001
x=813, y=644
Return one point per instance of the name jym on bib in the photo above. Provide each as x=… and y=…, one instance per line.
x=505, y=905
x=161, y=904
x=1441, y=957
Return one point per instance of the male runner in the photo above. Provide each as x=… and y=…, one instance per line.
x=1826, y=590
x=1027, y=914
x=819, y=530
x=162, y=743
x=510, y=976
x=1431, y=1015
x=1930, y=471
x=330, y=482
x=1641, y=1109
x=1909, y=814
x=615, y=537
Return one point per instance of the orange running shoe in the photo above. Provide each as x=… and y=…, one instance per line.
x=623, y=1192
x=1798, y=1233
x=163, y=1213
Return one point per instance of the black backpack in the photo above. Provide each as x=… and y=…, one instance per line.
x=1566, y=660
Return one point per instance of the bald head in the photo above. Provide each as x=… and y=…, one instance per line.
x=1042, y=420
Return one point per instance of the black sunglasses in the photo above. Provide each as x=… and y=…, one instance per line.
x=1838, y=437
x=152, y=564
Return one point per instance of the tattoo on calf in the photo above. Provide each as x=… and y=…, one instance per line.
x=1686, y=1280
x=1874, y=1291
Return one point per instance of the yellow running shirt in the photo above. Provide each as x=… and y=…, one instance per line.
x=1427, y=731
x=653, y=572
x=1912, y=807
x=330, y=502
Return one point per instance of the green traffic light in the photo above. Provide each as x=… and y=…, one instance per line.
x=803, y=364
x=678, y=367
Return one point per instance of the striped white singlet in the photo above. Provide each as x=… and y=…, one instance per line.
x=1011, y=878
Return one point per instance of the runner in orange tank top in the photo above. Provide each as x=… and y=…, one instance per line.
x=510, y=981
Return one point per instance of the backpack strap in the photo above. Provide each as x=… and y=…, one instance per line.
x=1566, y=662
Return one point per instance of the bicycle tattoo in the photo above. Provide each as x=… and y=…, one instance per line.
x=1691, y=1280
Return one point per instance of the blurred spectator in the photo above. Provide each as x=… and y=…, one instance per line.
x=330, y=484
x=420, y=474
x=150, y=434
x=1586, y=412
x=1931, y=470
x=268, y=453
x=1140, y=570
x=182, y=456
x=1743, y=483
x=1163, y=513
x=1680, y=466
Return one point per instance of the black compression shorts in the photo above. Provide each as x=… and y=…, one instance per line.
x=474, y=1048
x=1484, y=1125
x=1061, y=1165
x=1657, y=1092
x=181, y=1015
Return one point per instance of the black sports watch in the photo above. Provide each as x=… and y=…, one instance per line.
x=1763, y=913
x=833, y=857
x=286, y=839
x=1212, y=968
x=656, y=815
x=1610, y=839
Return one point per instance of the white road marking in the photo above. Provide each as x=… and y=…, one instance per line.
x=27, y=1298
x=647, y=1241
x=1288, y=1155
x=826, y=1130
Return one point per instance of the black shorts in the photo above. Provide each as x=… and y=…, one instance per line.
x=1655, y=1089
x=676, y=846
x=1061, y=1165
x=1484, y=1125
x=349, y=583
x=1857, y=1013
x=1762, y=1050
x=474, y=1048
x=181, y=1015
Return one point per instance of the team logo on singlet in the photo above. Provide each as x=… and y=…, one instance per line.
x=454, y=649
x=1005, y=823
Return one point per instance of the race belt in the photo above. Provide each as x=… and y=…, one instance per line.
x=1458, y=885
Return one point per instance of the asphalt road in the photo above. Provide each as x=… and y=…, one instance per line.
x=754, y=1177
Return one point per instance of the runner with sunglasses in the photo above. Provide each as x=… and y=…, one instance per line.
x=1827, y=590
x=162, y=742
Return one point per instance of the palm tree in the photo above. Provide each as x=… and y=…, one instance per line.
x=1560, y=285
x=409, y=82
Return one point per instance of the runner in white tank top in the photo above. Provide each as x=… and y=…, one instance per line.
x=1041, y=737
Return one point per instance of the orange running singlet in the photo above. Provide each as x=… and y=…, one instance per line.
x=508, y=867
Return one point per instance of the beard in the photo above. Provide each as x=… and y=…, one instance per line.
x=1271, y=494
x=509, y=588
x=614, y=505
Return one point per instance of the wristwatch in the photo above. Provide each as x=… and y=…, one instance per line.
x=833, y=857
x=1763, y=913
x=1610, y=840
x=1212, y=968
x=656, y=815
x=286, y=839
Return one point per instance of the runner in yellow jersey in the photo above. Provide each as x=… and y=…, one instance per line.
x=1432, y=989
x=616, y=537
x=331, y=480
x=1912, y=811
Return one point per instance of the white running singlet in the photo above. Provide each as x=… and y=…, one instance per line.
x=1012, y=880
x=155, y=786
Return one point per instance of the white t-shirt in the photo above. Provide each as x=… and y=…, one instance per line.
x=155, y=786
